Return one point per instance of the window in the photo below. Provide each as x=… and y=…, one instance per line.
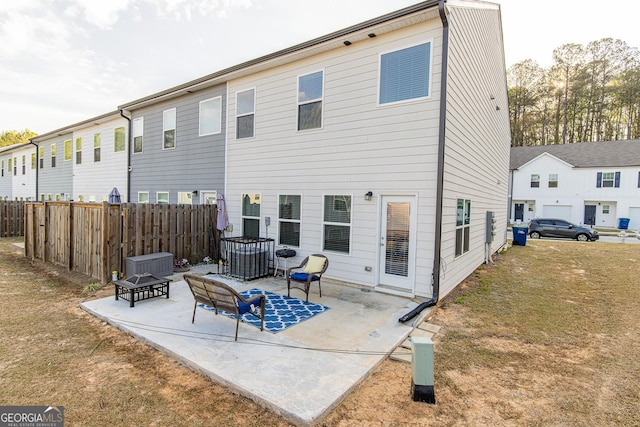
x=24, y=164
x=3, y=168
x=41, y=157
x=245, y=113
x=15, y=166
x=405, y=74
x=463, y=215
x=535, y=181
x=553, y=180
x=78, y=151
x=138, y=130
x=68, y=150
x=251, y=215
x=605, y=209
x=143, y=197
x=34, y=161
x=289, y=220
x=638, y=179
x=119, y=143
x=185, y=198
x=53, y=155
x=211, y=116
x=337, y=223
x=310, y=94
x=96, y=147
x=608, y=180
x=163, y=197
x=169, y=129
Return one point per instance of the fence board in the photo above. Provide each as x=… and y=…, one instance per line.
x=95, y=239
x=12, y=215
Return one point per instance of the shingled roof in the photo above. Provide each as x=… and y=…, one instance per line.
x=583, y=154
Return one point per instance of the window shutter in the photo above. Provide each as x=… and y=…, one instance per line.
x=616, y=183
x=599, y=180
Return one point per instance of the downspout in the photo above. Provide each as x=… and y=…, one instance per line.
x=37, y=165
x=440, y=174
x=128, y=157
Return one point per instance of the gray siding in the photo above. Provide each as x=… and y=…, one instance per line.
x=196, y=162
x=59, y=179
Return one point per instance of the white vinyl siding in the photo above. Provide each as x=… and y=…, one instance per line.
x=169, y=129
x=245, y=113
x=138, y=132
x=310, y=94
x=405, y=74
x=210, y=116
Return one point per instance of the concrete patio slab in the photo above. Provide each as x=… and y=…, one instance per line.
x=301, y=373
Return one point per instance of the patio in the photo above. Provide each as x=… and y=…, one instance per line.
x=301, y=372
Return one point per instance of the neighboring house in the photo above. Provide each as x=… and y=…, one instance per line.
x=178, y=146
x=383, y=146
x=83, y=161
x=17, y=172
x=589, y=183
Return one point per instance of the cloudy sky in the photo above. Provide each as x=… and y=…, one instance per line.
x=64, y=61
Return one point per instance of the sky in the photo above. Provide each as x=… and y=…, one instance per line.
x=65, y=61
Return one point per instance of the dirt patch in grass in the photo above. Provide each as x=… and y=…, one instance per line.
x=548, y=335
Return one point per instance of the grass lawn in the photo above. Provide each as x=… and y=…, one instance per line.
x=548, y=335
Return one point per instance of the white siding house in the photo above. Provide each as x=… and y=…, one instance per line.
x=590, y=183
x=67, y=166
x=384, y=146
x=17, y=172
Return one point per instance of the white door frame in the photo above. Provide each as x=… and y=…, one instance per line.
x=394, y=283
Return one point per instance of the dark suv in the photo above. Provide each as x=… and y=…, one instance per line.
x=559, y=228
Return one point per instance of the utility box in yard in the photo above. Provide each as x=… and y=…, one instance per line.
x=160, y=264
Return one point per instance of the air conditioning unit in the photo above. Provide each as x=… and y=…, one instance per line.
x=249, y=262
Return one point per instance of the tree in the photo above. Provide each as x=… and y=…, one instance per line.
x=12, y=137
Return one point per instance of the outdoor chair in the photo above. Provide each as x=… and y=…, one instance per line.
x=313, y=267
x=223, y=297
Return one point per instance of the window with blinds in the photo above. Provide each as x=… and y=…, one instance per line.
x=337, y=223
x=289, y=220
x=405, y=74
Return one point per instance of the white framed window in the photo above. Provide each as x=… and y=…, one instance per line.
x=2, y=168
x=53, y=155
x=143, y=197
x=162, y=197
x=211, y=116
x=289, y=207
x=41, y=156
x=15, y=166
x=608, y=180
x=119, y=140
x=310, y=95
x=405, y=74
x=185, y=198
x=24, y=164
x=78, y=151
x=138, y=132
x=34, y=162
x=535, y=180
x=251, y=215
x=336, y=223
x=463, y=220
x=245, y=113
x=553, y=180
x=606, y=209
x=96, y=147
x=169, y=129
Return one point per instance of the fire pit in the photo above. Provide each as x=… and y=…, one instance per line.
x=140, y=287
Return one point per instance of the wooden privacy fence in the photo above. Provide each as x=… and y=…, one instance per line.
x=11, y=218
x=95, y=239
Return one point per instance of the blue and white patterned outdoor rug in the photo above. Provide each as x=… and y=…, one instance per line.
x=281, y=311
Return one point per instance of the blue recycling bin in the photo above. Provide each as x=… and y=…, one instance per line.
x=623, y=223
x=520, y=235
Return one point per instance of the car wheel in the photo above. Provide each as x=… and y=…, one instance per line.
x=582, y=238
x=534, y=235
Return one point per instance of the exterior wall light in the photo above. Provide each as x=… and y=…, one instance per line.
x=368, y=195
